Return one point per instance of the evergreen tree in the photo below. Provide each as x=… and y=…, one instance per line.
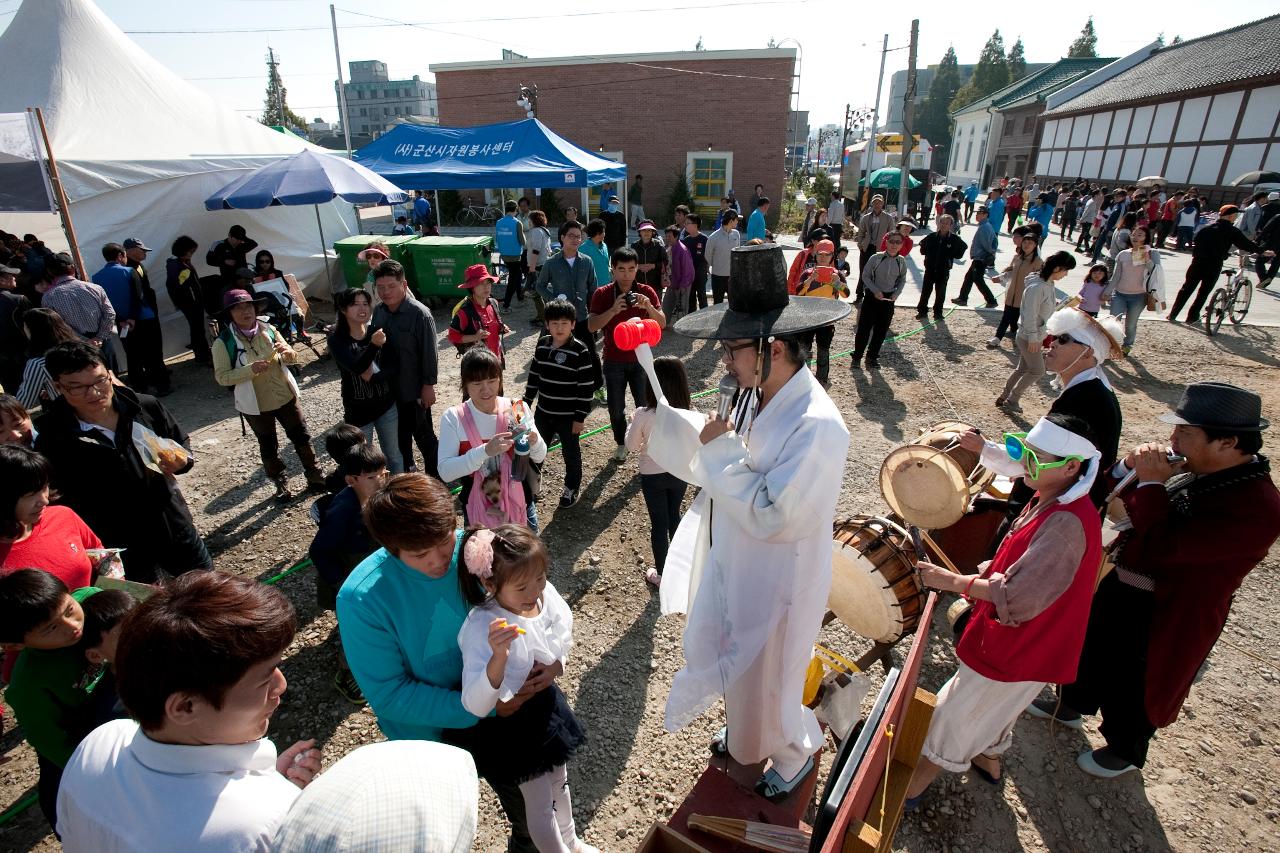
x=933, y=121
x=681, y=193
x=1017, y=61
x=1086, y=45
x=276, y=110
x=991, y=74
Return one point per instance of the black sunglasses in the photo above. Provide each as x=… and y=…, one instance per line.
x=1065, y=339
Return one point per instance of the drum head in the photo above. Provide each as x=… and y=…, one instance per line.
x=925, y=486
x=862, y=596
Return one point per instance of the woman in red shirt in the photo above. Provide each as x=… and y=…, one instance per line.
x=1031, y=606
x=34, y=535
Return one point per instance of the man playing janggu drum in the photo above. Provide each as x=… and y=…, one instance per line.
x=751, y=561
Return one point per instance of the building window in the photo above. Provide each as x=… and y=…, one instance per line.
x=364, y=111
x=968, y=154
x=710, y=176
x=1029, y=124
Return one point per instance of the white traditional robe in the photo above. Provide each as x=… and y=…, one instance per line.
x=751, y=565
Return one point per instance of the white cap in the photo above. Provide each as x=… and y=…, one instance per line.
x=384, y=798
x=1273, y=196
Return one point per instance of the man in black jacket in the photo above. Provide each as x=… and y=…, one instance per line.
x=941, y=249
x=102, y=474
x=615, y=224
x=145, y=344
x=229, y=255
x=1213, y=244
x=1269, y=238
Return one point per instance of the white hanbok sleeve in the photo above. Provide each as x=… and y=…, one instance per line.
x=781, y=504
x=996, y=459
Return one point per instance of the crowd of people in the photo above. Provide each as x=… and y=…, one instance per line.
x=130, y=661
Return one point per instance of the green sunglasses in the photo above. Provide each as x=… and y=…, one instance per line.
x=1019, y=452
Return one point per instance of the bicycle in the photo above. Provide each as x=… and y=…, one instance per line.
x=473, y=214
x=1230, y=300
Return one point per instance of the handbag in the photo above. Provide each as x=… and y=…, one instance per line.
x=1152, y=302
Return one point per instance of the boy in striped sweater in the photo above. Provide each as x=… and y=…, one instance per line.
x=561, y=380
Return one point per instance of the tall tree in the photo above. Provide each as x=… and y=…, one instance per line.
x=276, y=110
x=1017, y=61
x=990, y=74
x=933, y=121
x=1086, y=44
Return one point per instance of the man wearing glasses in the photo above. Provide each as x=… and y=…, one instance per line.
x=882, y=280
x=1078, y=346
x=102, y=472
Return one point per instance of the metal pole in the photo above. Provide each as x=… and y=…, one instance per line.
x=342, y=88
x=844, y=140
x=64, y=207
x=908, y=101
x=875, y=115
x=324, y=250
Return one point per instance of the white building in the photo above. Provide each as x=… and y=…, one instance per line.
x=1200, y=113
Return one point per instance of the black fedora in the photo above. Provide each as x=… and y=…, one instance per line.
x=759, y=304
x=1218, y=405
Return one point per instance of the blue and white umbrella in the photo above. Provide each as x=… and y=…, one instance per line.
x=308, y=177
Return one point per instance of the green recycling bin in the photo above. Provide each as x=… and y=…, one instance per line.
x=438, y=264
x=356, y=271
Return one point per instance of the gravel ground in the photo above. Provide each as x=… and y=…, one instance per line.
x=1211, y=782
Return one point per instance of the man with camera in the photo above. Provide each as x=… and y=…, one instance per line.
x=616, y=303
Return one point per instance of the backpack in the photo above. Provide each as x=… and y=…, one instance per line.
x=468, y=308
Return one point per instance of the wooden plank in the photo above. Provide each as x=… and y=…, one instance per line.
x=717, y=794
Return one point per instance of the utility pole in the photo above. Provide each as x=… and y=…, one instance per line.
x=908, y=110
x=342, y=87
x=875, y=115
x=844, y=142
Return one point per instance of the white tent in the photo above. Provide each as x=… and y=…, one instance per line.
x=139, y=149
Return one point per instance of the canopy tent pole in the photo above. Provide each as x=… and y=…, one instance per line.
x=64, y=209
x=324, y=250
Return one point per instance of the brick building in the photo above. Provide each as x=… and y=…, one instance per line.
x=719, y=115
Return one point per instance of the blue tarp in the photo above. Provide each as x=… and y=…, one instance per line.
x=492, y=156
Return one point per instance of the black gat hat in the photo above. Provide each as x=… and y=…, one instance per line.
x=759, y=305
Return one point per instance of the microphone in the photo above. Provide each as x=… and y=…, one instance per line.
x=728, y=390
x=1173, y=458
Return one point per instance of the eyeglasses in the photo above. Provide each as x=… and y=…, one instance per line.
x=729, y=351
x=1065, y=339
x=1019, y=451
x=100, y=386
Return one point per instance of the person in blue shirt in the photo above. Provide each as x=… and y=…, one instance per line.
x=995, y=207
x=401, y=611
x=508, y=236
x=755, y=225
x=117, y=279
x=1041, y=211
x=982, y=254
x=422, y=212
x=970, y=199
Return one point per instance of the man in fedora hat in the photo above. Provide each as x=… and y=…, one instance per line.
x=1195, y=536
x=751, y=561
x=251, y=357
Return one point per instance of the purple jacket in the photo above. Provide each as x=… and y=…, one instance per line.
x=681, y=266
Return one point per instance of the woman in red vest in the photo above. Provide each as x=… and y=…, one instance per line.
x=1030, y=606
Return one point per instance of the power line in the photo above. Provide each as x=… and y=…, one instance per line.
x=512, y=18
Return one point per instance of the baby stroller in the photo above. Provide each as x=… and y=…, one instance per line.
x=283, y=313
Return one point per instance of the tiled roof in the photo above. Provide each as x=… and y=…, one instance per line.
x=1037, y=84
x=1241, y=53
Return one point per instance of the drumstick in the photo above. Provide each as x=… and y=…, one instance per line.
x=946, y=561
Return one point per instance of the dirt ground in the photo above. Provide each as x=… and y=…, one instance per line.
x=1212, y=779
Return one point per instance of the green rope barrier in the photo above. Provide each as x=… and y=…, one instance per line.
x=18, y=808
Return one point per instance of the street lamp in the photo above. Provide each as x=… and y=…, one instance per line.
x=795, y=119
x=528, y=100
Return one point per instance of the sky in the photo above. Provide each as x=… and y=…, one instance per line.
x=221, y=45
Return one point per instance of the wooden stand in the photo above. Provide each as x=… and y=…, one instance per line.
x=875, y=831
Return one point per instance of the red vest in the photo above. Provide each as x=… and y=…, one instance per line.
x=1046, y=647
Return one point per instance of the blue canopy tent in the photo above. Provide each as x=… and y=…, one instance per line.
x=523, y=153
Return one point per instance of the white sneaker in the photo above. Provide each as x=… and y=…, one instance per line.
x=620, y=453
x=994, y=343
x=1089, y=765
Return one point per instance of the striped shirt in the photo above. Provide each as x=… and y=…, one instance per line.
x=84, y=306
x=37, y=386
x=560, y=378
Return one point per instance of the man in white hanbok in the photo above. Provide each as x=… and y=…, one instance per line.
x=751, y=561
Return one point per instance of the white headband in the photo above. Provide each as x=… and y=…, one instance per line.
x=1051, y=438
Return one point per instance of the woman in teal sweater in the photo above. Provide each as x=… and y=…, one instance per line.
x=400, y=612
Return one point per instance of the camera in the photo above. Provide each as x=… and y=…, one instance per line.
x=631, y=299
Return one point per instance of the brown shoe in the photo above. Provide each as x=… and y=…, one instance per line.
x=315, y=478
x=282, y=489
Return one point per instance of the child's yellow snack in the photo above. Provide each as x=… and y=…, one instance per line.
x=519, y=630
